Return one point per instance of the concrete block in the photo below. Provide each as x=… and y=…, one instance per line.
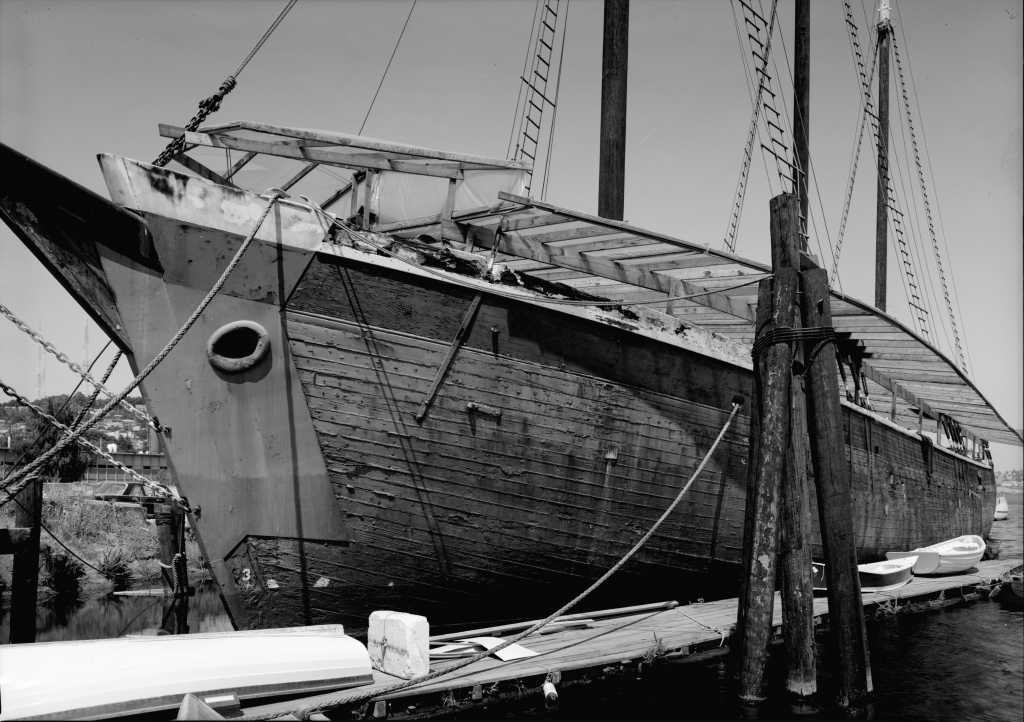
x=399, y=644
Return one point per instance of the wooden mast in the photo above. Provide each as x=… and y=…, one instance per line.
x=795, y=513
x=611, y=182
x=882, y=218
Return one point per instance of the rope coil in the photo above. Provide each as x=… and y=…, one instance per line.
x=785, y=334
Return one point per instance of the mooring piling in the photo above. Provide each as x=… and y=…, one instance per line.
x=25, y=569
x=832, y=482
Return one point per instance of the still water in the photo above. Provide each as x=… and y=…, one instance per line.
x=957, y=663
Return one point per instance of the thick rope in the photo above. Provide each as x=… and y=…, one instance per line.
x=212, y=104
x=303, y=712
x=96, y=392
x=29, y=469
x=22, y=326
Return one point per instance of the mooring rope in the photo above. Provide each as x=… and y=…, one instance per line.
x=25, y=473
x=303, y=712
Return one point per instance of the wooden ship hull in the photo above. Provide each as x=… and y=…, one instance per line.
x=556, y=437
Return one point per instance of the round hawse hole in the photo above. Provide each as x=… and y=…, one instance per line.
x=237, y=346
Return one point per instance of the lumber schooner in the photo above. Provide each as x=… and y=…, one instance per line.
x=557, y=433
x=429, y=405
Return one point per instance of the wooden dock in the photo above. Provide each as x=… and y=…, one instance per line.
x=696, y=632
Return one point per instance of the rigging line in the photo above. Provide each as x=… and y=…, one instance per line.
x=917, y=236
x=864, y=102
x=63, y=406
x=526, y=62
x=381, y=84
x=935, y=190
x=732, y=227
x=912, y=222
x=927, y=207
x=554, y=108
x=266, y=35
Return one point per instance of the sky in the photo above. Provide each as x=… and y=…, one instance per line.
x=90, y=76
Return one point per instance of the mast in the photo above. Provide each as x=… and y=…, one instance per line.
x=882, y=218
x=802, y=110
x=611, y=190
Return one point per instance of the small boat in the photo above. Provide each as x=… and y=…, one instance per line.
x=956, y=555
x=1010, y=586
x=102, y=678
x=1002, y=509
x=887, y=575
x=874, y=577
x=927, y=562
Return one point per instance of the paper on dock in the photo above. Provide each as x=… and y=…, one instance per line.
x=512, y=651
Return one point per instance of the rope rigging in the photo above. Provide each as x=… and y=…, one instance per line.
x=303, y=712
x=867, y=111
x=754, y=22
x=381, y=84
x=212, y=104
x=927, y=207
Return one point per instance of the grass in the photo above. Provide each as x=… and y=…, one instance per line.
x=118, y=542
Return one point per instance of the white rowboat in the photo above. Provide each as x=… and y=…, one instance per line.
x=874, y=577
x=956, y=555
x=887, y=575
x=1002, y=509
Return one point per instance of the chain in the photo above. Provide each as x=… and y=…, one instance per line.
x=84, y=443
x=927, y=208
x=212, y=104
x=18, y=479
x=142, y=415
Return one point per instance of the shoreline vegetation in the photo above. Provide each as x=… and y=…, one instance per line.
x=117, y=540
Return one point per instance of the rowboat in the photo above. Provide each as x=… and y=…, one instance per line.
x=957, y=555
x=144, y=675
x=927, y=562
x=874, y=577
x=1002, y=509
x=883, y=576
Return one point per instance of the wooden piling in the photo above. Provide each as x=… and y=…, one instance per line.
x=828, y=456
x=25, y=571
x=795, y=536
x=773, y=368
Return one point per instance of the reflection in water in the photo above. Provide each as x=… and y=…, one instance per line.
x=116, y=616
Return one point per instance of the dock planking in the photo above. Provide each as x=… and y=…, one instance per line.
x=676, y=632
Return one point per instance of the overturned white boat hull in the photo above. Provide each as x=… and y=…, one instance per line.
x=97, y=679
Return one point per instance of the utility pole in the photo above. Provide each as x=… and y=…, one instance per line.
x=611, y=189
x=882, y=218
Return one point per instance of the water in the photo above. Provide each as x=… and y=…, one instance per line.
x=111, y=616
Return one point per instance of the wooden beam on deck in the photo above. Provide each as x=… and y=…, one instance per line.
x=525, y=247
